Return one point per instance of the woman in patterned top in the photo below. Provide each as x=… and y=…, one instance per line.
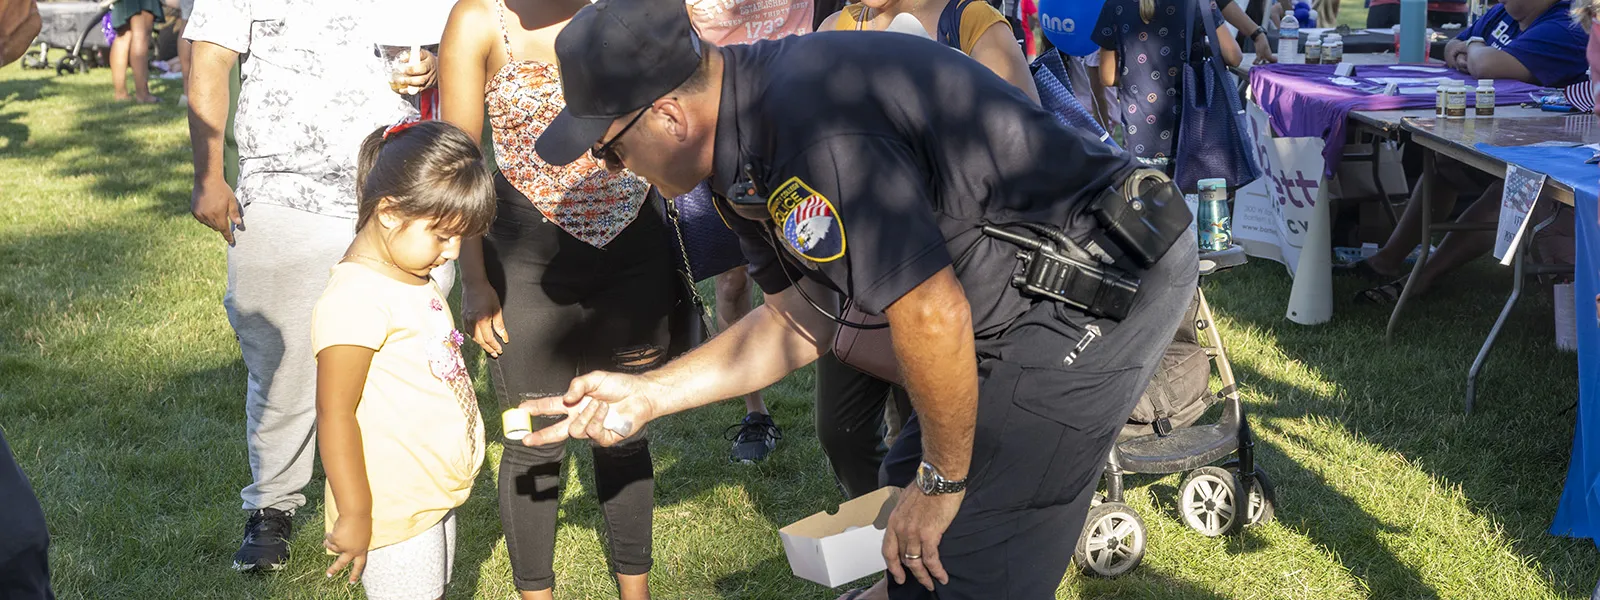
x=1142, y=41
x=571, y=278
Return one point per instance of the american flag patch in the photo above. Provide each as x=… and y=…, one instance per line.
x=808, y=221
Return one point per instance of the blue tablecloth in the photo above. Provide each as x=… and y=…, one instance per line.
x=1579, y=512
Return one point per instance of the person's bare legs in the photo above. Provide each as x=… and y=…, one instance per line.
x=733, y=303
x=183, y=57
x=139, y=27
x=119, y=66
x=632, y=587
x=1390, y=260
x=1462, y=247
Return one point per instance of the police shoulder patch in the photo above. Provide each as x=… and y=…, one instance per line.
x=808, y=221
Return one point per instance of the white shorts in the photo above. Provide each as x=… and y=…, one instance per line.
x=415, y=569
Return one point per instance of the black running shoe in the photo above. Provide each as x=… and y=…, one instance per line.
x=754, y=438
x=266, y=542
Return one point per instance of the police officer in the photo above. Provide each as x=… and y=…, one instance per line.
x=870, y=163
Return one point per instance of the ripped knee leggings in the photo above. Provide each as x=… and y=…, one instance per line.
x=571, y=308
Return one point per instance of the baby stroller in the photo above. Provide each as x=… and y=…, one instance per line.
x=1161, y=438
x=74, y=27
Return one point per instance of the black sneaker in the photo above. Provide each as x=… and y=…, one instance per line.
x=266, y=542
x=754, y=438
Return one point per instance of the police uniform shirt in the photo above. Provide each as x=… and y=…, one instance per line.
x=882, y=155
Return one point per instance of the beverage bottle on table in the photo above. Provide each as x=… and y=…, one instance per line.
x=1485, y=98
x=1216, y=233
x=1288, y=39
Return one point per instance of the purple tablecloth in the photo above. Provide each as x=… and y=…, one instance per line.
x=1302, y=101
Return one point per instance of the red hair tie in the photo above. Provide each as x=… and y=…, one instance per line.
x=403, y=125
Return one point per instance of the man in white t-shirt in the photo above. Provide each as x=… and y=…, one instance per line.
x=312, y=88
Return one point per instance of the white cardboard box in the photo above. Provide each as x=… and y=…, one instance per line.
x=840, y=548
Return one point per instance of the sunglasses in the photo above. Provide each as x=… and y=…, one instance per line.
x=606, y=153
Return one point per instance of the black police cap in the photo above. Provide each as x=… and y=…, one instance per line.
x=616, y=57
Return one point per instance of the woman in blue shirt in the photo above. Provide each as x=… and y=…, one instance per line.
x=1534, y=41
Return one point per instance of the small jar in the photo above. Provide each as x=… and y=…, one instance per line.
x=1438, y=99
x=1314, y=50
x=1455, y=101
x=1333, y=49
x=1485, y=99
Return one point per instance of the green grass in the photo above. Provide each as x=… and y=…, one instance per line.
x=1352, y=13
x=121, y=388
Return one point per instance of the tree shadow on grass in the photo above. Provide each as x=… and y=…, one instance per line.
x=13, y=133
x=1405, y=397
x=122, y=149
x=772, y=579
x=26, y=89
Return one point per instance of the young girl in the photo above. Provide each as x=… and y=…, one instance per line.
x=397, y=421
x=1142, y=40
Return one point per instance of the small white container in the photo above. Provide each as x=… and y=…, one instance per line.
x=1332, y=49
x=1455, y=101
x=1485, y=99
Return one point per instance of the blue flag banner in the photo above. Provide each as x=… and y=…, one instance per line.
x=1578, y=515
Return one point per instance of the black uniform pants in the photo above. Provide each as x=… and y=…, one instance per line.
x=1042, y=438
x=24, y=545
x=571, y=308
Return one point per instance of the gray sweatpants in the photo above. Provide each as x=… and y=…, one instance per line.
x=277, y=269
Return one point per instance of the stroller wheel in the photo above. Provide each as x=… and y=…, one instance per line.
x=1263, y=498
x=68, y=64
x=1206, y=500
x=1112, y=541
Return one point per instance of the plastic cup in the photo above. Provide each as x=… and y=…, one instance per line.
x=396, y=59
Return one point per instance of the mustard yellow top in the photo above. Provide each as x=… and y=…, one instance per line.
x=976, y=19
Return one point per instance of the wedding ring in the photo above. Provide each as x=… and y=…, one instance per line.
x=911, y=556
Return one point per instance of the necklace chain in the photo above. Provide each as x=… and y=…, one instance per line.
x=381, y=261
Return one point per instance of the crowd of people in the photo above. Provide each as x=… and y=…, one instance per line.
x=351, y=221
x=568, y=277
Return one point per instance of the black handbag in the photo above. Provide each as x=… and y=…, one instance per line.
x=703, y=246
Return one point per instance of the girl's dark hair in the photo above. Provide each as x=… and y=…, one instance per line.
x=430, y=170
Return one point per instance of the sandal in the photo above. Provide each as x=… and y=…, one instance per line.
x=1384, y=295
x=853, y=594
x=1362, y=269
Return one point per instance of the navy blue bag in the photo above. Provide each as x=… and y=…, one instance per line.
x=1055, y=93
x=702, y=244
x=1211, y=138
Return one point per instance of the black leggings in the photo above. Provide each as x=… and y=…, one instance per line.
x=851, y=423
x=571, y=308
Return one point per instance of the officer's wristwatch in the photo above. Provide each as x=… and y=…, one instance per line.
x=933, y=484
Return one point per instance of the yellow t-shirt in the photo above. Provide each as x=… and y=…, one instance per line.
x=420, y=428
x=977, y=18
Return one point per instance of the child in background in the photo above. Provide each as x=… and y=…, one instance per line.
x=397, y=420
x=1142, y=40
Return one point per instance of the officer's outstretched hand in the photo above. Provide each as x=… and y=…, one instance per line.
x=604, y=407
x=911, y=543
